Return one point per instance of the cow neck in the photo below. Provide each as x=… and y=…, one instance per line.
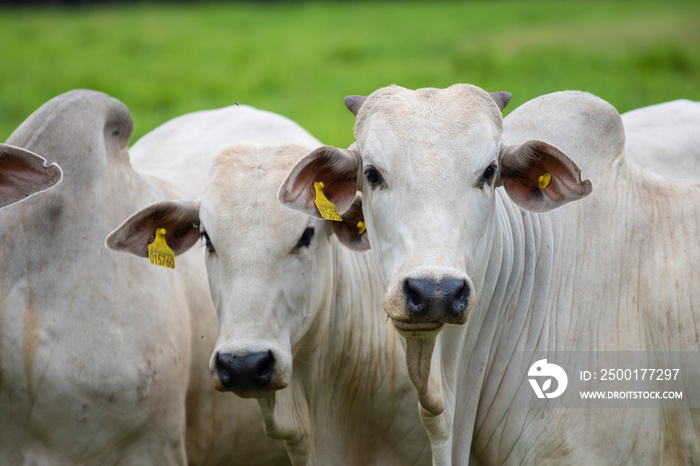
x=508, y=316
x=360, y=363
x=515, y=288
x=357, y=332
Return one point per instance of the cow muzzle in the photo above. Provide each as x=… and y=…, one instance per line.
x=421, y=305
x=248, y=375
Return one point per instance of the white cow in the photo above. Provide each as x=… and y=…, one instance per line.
x=23, y=173
x=103, y=359
x=302, y=329
x=461, y=212
x=182, y=149
x=665, y=138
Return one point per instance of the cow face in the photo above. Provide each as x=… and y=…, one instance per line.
x=428, y=163
x=269, y=267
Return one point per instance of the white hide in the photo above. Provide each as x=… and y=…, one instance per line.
x=103, y=359
x=178, y=149
x=284, y=286
x=613, y=271
x=665, y=138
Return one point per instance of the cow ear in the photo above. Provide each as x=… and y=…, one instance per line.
x=354, y=103
x=501, y=98
x=540, y=177
x=335, y=168
x=351, y=231
x=180, y=219
x=23, y=173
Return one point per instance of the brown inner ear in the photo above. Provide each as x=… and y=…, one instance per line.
x=137, y=232
x=521, y=177
x=525, y=182
x=24, y=174
x=348, y=231
x=181, y=232
x=338, y=187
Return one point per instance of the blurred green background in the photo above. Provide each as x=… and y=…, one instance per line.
x=301, y=58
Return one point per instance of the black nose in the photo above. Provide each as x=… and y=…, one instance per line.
x=245, y=372
x=436, y=301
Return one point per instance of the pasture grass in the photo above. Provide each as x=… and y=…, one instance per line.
x=301, y=59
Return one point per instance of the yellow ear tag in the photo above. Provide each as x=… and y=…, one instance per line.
x=325, y=207
x=159, y=253
x=544, y=180
x=361, y=227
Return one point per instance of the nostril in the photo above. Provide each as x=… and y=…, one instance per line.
x=240, y=372
x=436, y=300
x=266, y=367
x=222, y=368
x=413, y=297
x=460, y=297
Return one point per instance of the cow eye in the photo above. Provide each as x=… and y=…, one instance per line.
x=489, y=174
x=305, y=239
x=207, y=242
x=373, y=176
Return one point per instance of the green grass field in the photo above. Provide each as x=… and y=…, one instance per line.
x=301, y=59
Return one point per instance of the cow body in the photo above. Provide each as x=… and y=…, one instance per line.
x=612, y=271
x=301, y=323
x=633, y=243
x=100, y=357
x=177, y=150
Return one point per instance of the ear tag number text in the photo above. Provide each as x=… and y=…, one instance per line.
x=159, y=253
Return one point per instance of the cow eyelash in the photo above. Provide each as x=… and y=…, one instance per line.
x=207, y=242
x=306, y=237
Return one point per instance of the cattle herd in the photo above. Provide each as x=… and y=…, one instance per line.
x=366, y=306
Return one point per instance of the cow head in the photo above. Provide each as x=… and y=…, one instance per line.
x=269, y=267
x=23, y=173
x=428, y=163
